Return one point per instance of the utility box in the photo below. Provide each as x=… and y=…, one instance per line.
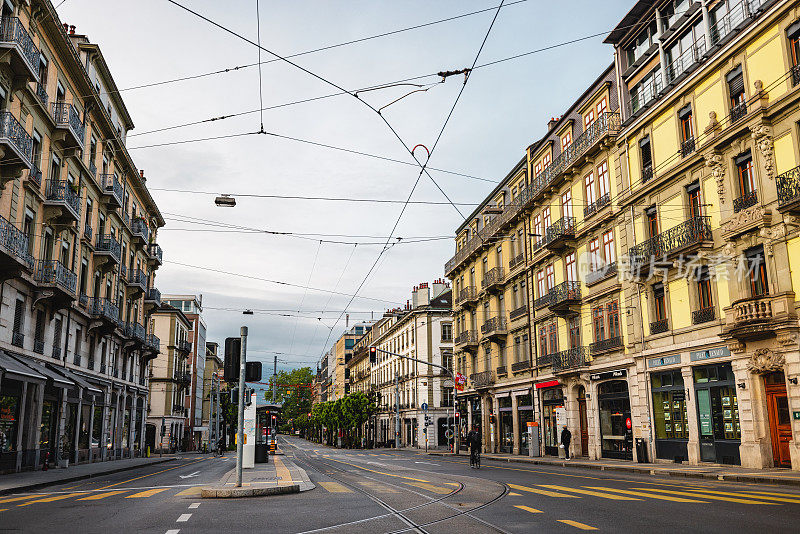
x=534, y=448
x=641, y=451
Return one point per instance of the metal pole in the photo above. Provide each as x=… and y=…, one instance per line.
x=274, y=377
x=396, y=410
x=240, y=430
x=216, y=422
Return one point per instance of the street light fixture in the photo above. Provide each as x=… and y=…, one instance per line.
x=225, y=201
x=247, y=312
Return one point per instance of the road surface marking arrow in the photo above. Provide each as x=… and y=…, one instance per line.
x=196, y=473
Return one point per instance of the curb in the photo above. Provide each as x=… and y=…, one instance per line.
x=730, y=477
x=65, y=480
x=237, y=493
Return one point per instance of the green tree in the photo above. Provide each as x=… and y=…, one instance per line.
x=293, y=392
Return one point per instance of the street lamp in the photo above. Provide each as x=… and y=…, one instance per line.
x=225, y=201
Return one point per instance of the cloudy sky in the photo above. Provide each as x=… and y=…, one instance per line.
x=503, y=109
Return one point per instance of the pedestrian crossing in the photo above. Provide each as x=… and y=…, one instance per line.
x=8, y=503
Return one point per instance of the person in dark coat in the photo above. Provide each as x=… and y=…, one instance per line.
x=566, y=437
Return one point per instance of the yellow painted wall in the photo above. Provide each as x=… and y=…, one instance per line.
x=710, y=196
x=670, y=213
x=587, y=334
x=634, y=164
x=665, y=139
x=708, y=98
x=793, y=249
x=578, y=201
x=785, y=154
x=765, y=62
x=679, y=304
x=563, y=334
x=645, y=309
x=723, y=293
x=638, y=224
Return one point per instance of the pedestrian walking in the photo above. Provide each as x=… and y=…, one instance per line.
x=566, y=437
x=474, y=444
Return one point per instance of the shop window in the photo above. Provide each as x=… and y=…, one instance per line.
x=669, y=405
x=9, y=418
x=693, y=195
x=757, y=271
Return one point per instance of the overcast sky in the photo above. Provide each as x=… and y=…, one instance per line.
x=504, y=108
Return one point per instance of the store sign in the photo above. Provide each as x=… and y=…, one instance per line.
x=619, y=373
x=719, y=352
x=461, y=381
x=664, y=360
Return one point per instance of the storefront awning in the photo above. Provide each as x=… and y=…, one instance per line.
x=16, y=369
x=58, y=379
x=548, y=384
x=80, y=382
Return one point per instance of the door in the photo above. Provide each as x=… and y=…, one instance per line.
x=584, y=423
x=779, y=421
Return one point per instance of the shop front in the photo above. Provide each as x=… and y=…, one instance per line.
x=524, y=416
x=10, y=408
x=717, y=413
x=552, y=399
x=670, y=415
x=614, y=407
x=506, y=432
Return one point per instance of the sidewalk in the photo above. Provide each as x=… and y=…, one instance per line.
x=278, y=477
x=32, y=480
x=712, y=471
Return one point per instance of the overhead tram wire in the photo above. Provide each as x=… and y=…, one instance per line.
x=260, y=82
x=305, y=293
x=325, y=199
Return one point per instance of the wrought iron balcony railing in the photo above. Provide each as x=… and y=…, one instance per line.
x=601, y=273
x=53, y=272
x=522, y=311
x=738, y=111
x=62, y=191
x=687, y=147
x=38, y=346
x=570, y=359
x=41, y=92
x=482, y=379
x=112, y=187
x=93, y=168
x=35, y=176
x=137, y=331
x=647, y=173
x=57, y=353
x=524, y=365
x=15, y=133
x=493, y=325
x=153, y=342
x=155, y=252
x=103, y=308
x=562, y=229
x=137, y=277
x=691, y=232
x=184, y=346
x=543, y=301
x=153, y=295
x=66, y=116
x=788, y=188
x=516, y=261
x=597, y=205
x=87, y=231
x=745, y=201
x=140, y=229
x=466, y=337
x=493, y=276
x=659, y=327
x=12, y=31
x=83, y=300
x=108, y=243
x=605, y=344
x=566, y=292
x=17, y=339
x=703, y=315
x=14, y=242
x=501, y=371
x=796, y=75
x=466, y=294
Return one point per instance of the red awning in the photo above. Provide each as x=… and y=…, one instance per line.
x=548, y=384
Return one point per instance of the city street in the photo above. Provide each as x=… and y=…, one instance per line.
x=402, y=491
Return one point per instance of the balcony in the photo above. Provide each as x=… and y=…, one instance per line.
x=501, y=371
x=69, y=127
x=789, y=191
x=112, y=190
x=83, y=300
x=183, y=346
x=467, y=339
x=687, y=147
x=597, y=206
x=140, y=230
x=57, y=281
x=41, y=93
x=152, y=347
x=602, y=272
x=62, y=203
x=14, y=255
x=659, y=327
x=570, y=360
x=152, y=298
x=519, y=313
x=518, y=367
x=703, y=315
x=685, y=237
x=759, y=317
x=18, y=339
x=20, y=52
x=795, y=75
x=467, y=296
x=105, y=313
x=16, y=148
x=564, y=297
x=738, y=111
x=605, y=345
x=34, y=180
x=493, y=279
x=482, y=380
x=136, y=331
x=517, y=261
x=154, y=255
x=137, y=282
x=745, y=201
x=87, y=233
x=647, y=173
x=38, y=346
x=558, y=235
x=107, y=252
x=494, y=327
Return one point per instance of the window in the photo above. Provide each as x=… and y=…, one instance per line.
x=646, y=90
x=566, y=203
x=652, y=220
x=543, y=342
x=612, y=314
x=546, y=161
x=646, y=156
x=744, y=170
x=574, y=332
x=602, y=106
x=38, y=333
x=546, y=221
x=594, y=254
x=659, y=303
x=687, y=130
x=537, y=169
x=608, y=247
x=588, y=119
x=686, y=51
x=693, y=194
x=588, y=182
x=19, y=323
x=794, y=50
x=736, y=93
x=757, y=270
x=704, y=288
x=77, y=352
x=571, y=269
x=602, y=179
x=537, y=227
x=37, y=151
x=552, y=338
x=599, y=323
x=643, y=42
x=57, y=338
x=447, y=332
x=566, y=140
x=540, y=283
x=551, y=276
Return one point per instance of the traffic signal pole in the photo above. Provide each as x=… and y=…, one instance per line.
x=240, y=430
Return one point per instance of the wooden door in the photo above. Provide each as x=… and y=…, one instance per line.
x=584, y=423
x=779, y=418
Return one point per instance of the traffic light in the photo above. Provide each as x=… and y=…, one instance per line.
x=252, y=371
x=373, y=355
x=233, y=352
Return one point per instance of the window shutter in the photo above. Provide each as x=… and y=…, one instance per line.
x=794, y=30
x=736, y=81
x=685, y=112
x=743, y=158
x=18, y=311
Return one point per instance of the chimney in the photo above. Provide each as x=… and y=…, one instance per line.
x=552, y=122
x=66, y=27
x=439, y=287
x=72, y=29
x=421, y=295
x=141, y=174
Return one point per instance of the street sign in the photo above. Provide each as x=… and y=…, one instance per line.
x=424, y=406
x=448, y=433
x=447, y=383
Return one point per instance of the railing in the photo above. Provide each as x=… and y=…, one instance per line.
x=137, y=277
x=519, y=312
x=126, y=219
x=597, y=205
x=659, y=327
x=87, y=231
x=647, y=173
x=14, y=242
x=123, y=273
x=61, y=191
x=466, y=294
x=103, y=308
x=103, y=368
x=493, y=325
x=18, y=339
x=153, y=294
x=493, y=276
x=753, y=309
x=724, y=25
x=155, y=252
x=57, y=353
x=543, y=301
x=184, y=346
x=564, y=228
x=543, y=360
x=41, y=92
x=54, y=272
x=35, y=176
x=745, y=201
x=703, y=315
x=607, y=123
x=11, y=129
x=519, y=259
x=107, y=243
x=93, y=168
x=140, y=229
x=501, y=371
x=12, y=30
x=788, y=187
x=686, y=60
x=573, y=358
x=83, y=300
x=796, y=75
x=38, y=346
x=649, y=92
x=694, y=230
x=482, y=379
x=565, y=292
x=66, y=116
x=137, y=331
x=738, y=111
x=467, y=336
x=153, y=342
x=605, y=344
x=601, y=273
x=687, y=147
x=112, y=186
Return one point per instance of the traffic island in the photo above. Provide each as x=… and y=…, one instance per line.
x=280, y=476
x=228, y=492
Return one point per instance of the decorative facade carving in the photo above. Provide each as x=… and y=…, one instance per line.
x=716, y=163
x=788, y=339
x=745, y=220
x=736, y=347
x=713, y=123
x=765, y=361
x=762, y=135
x=771, y=235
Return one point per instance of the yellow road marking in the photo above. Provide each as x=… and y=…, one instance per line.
x=3, y=509
x=763, y=493
x=151, y=474
x=378, y=488
x=98, y=496
x=146, y=493
x=713, y=497
x=335, y=487
x=528, y=509
x=191, y=491
x=430, y=487
x=643, y=494
x=592, y=493
x=542, y=492
x=576, y=524
x=281, y=471
x=51, y=499
x=512, y=494
x=748, y=496
x=380, y=472
x=12, y=499
x=452, y=483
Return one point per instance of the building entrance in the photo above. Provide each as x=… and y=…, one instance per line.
x=780, y=425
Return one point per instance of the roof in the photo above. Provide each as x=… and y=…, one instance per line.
x=638, y=10
x=105, y=72
x=522, y=164
x=167, y=309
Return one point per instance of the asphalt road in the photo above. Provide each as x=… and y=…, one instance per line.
x=402, y=491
